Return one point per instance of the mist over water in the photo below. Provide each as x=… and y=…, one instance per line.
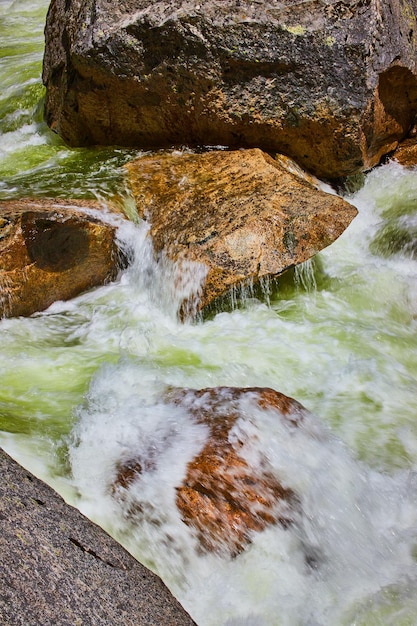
x=83, y=382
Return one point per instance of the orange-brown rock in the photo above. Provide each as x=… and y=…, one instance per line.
x=223, y=498
x=406, y=153
x=51, y=250
x=242, y=214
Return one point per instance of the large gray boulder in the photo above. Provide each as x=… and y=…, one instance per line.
x=330, y=83
x=60, y=569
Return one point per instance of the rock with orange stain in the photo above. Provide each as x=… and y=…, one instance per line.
x=223, y=498
x=51, y=250
x=406, y=153
x=242, y=215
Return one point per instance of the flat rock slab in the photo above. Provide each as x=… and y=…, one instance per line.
x=240, y=214
x=60, y=569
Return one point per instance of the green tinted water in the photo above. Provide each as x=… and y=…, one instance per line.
x=339, y=335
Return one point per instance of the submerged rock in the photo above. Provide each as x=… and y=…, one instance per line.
x=330, y=83
x=224, y=498
x=51, y=250
x=241, y=214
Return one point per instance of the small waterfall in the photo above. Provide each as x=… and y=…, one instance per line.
x=305, y=276
x=6, y=285
x=174, y=286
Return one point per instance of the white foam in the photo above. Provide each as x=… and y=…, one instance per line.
x=355, y=533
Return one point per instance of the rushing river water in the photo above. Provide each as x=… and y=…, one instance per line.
x=81, y=385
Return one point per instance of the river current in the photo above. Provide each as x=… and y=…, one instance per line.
x=80, y=387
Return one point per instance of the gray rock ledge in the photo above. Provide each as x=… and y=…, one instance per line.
x=58, y=568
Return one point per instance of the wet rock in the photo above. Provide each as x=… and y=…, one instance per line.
x=223, y=498
x=240, y=214
x=51, y=250
x=331, y=83
x=58, y=568
x=406, y=153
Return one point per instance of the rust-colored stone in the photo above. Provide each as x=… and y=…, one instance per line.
x=126, y=474
x=406, y=153
x=242, y=214
x=222, y=498
x=51, y=250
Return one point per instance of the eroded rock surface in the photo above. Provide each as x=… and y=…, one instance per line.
x=241, y=214
x=51, y=250
x=224, y=499
x=331, y=83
